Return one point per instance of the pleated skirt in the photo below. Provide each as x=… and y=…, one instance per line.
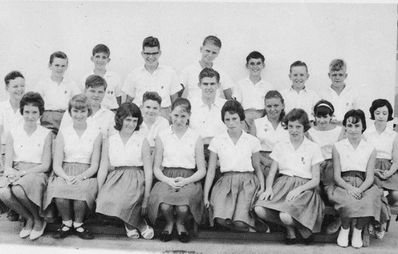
x=190, y=195
x=232, y=197
x=307, y=209
x=122, y=194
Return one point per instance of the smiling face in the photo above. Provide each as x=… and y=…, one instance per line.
x=179, y=117
x=31, y=114
x=16, y=88
x=323, y=121
x=95, y=95
x=209, y=87
x=273, y=108
x=58, y=67
x=151, y=56
x=296, y=131
x=298, y=76
x=79, y=115
x=209, y=53
x=150, y=110
x=100, y=60
x=353, y=128
x=129, y=124
x=255, y=66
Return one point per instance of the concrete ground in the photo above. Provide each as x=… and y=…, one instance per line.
x=10, y=243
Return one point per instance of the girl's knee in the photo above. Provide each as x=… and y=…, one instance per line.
x=182, y=209
x=165, y=207
x=18, y=191
x=260, y=211
x=5, y=193
x=286, y=219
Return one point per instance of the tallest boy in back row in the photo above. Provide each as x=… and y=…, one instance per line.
x=152, y=77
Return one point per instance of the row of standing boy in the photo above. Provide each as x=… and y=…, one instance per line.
x=208, y=88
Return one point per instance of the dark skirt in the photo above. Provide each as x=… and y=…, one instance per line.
x=190, y=195
x=232, y=197
x=370, y=205
x=122, y=194
x=390, y=183
x=86, y=190
x=307, y=209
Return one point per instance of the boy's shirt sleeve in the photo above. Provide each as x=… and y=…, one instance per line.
x=129, y=86
x=175, y=85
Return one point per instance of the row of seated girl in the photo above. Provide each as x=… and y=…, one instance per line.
x=122, y=186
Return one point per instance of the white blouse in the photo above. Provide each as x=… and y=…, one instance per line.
x=79, y=149
x=267, y=135
x=235, y=157
x=179, y=152
x=129, y=154
x=297, y=162
x=29, y=148
x=352, y=159
x=325, y=139
x=383, y=142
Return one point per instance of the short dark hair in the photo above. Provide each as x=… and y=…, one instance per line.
x=209, y=73
x=34, y=99
x=125, y=110
x=297, y=114
x=150, y=42
x=11, y=76
x=255, y=55
x=153, y=96
x=356, y=115
x=57, y=54
x=101, y=48
x=184, y=103
x=323, y=108
x=94, y=81
x=211, y=39
x=337, y=65
x=298, y=63
x=80, y=101
x=271, y=94
x=378, y=104
x=233, y=107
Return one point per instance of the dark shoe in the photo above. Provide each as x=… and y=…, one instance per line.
x=183, y=237
x=84, y=233
x=12, y=216
x=165, y=236
x=290, y=241
x=308, y=240
x=62, y=232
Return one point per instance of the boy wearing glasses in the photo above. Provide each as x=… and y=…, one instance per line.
x=250, y=91
x=341, y=96
x=152, y=77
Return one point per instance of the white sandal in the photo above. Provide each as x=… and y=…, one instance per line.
x=147, y=233
x=132, y=233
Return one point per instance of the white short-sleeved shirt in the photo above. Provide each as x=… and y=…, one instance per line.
x=190, y=80
x=326, y=139
x=297, y=162
x=179, y=152
x=9, y=119
x=267, y=135
x=250, y=95
x=104, y=119
x=235, y=157
x=207, y=121
x=348, y=99
x=113, y=90
x=304, y=99
x=160, y=124
x=129, y=154
x=79, y=149
x=383, y=142
x=29, y=148
x=56, y=96
x=354, y=159
x=163, y=80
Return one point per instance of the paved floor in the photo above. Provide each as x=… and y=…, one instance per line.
x=10, y=243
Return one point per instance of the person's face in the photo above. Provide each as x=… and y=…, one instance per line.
x=273, y=107
x=150, y=109
x=79, y=115
x=30, y=114
x=296, y=130
x=100, y=60
x=16, y=88
x=209, y=86
x=95, y=95
x=298, y=76
x=209, y=52
x=179, y=117
x=58, y=67
x=381, y=114
x=232, y=121
x=338, y=77
x=255, y=66
x=323, y=121
x=130, y=124
x=151, y=55
x=353, y=130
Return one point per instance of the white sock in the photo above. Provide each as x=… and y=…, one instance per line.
x=67, y=223
x=78, y=224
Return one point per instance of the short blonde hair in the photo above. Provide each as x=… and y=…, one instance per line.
x=80, y=101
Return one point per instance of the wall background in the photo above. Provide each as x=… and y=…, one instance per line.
x=365, y=35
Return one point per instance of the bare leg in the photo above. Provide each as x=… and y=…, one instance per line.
x=12, y=202
x=362, y=222
x=79, y=207
x=182, y=214
x=289, y=224
x=167, y=211
x=268, y=215
x=64, y=207
x=345, y=223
